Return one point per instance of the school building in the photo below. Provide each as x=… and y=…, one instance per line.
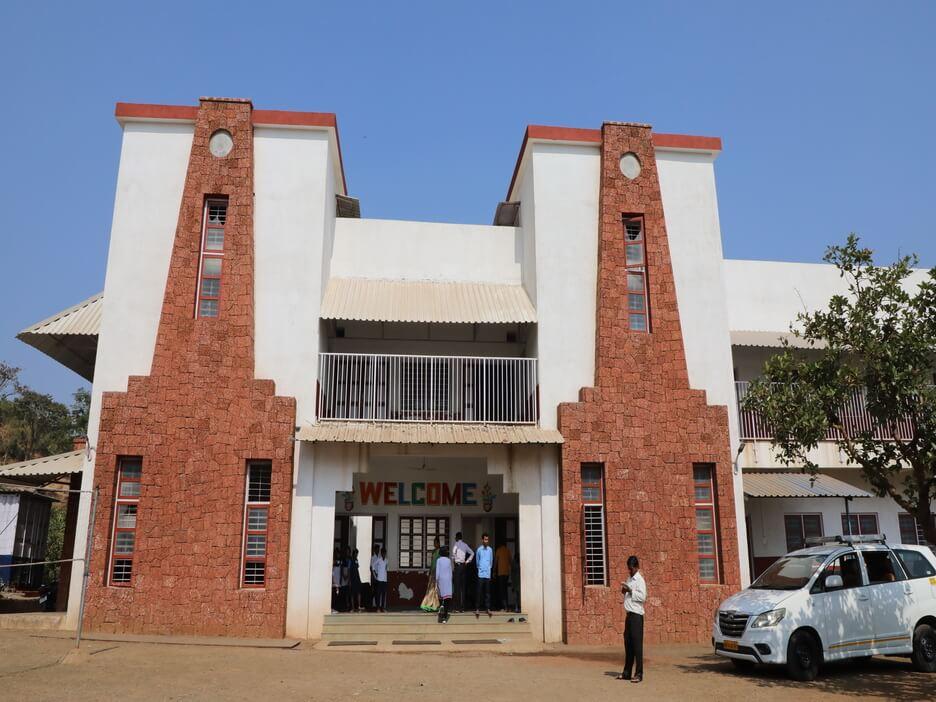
x=274, y=376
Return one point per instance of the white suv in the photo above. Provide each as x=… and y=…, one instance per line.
x=852, y=598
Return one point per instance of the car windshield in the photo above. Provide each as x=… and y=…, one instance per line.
x=789, y=572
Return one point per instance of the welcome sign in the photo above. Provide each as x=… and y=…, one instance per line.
x=433, y=494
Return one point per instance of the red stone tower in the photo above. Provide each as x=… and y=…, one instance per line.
x=194, y=423
x=647, y=427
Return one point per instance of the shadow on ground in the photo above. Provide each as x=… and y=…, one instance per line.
x=886, y=678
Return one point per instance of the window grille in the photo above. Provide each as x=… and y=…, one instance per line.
x=799, y=527
x=859, y=524
x=416, y=539
x=638, y=305
x=126, y=504
x=594, y=544
x=256, y=523
x=208, y=295
x=706, y=520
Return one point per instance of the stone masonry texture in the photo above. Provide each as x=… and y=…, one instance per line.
x=648, y=427
x=195, y=421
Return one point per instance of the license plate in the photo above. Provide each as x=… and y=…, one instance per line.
x=730, y=645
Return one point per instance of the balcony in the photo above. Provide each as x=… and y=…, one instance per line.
x=854, y=417
x=453, y=389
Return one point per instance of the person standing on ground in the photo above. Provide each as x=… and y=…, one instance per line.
x=635, y=594
x=485, y=556
x=462, y=555
x=380, y=573
x=515, y=581
x=430, y=603
x=443, y=577
x=356, y=604
x=375, y=554
x=502, y=574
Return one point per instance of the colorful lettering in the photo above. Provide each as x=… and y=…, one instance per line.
x=416, y=487
x=453, y=497
x=433, y=493
x=389, y=493
x=370, y=493
x=468, y=498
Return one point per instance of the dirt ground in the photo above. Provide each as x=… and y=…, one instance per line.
x=39, y=668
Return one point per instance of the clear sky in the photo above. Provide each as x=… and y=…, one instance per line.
x=827, y=111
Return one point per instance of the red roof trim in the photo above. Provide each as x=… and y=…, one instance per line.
x=286, y=118
x=593, y=136
x=126, y=110
x=687, y=141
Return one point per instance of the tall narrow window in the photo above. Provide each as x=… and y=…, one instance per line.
x=214, y=221
x=635, y=260
x=594, y=549
x=123, y=541
x=706, y=518
x=256, y=523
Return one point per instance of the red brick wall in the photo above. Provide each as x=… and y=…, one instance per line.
x=196, y=420
x=648, y=427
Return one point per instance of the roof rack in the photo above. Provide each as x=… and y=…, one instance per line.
x=849, y=540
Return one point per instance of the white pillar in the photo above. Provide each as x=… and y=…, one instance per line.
x=527, y=481
x=552, y=547
x=364, y=526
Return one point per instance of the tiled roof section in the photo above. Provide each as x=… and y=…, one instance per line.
x=798, y=485
x=426, y=301
x=425, y=433
x=771, y=339
x=59, y=464
x=83, y=318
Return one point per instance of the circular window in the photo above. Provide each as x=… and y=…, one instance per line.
x=630, y=165
x=221, y=143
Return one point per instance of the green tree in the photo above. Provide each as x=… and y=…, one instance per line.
x=80, y=407
x=54, y=541
x=879, y=339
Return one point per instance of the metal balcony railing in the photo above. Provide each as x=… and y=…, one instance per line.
x=393, y=388
x=854, y=417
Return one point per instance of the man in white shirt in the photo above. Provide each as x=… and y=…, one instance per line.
x=635, y=594
x=462, y=555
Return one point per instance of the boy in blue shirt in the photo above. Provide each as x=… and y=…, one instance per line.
x=484, y=557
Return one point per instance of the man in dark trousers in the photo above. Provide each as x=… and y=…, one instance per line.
x=635, y=594
x=462, y=554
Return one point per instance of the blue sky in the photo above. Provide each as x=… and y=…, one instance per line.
x=827, y=112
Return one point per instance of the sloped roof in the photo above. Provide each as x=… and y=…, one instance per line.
x=369, y=299
x=70, y=336
x=798, y=485
x=425, y=433
x=771, y=339
x=59, y=464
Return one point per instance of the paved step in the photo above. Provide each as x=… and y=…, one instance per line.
x=32, y=620
x=442, y=630
x=417, y=617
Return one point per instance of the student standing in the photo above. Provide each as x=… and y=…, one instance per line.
x=356, y=604
x=375, y=554
x=380, y=574
x=462, y=555
x=502, y=574
x=443, y=577
x=635, y=594
x=485, y=556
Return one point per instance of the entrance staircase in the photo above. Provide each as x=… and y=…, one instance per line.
x=400, y=631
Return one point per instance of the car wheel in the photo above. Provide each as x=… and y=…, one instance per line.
x=742, y=666
x=803, y=657
x=924, y=649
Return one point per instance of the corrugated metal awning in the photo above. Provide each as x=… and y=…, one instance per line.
x=798, y=485
x=425, y=433
x=373, y=300
x=771, y=339
x=70, y=336
x=59, y=464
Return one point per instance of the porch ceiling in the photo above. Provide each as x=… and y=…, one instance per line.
x=425, y=433
x=798, y=485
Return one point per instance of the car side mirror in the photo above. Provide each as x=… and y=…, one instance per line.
x=834, y=582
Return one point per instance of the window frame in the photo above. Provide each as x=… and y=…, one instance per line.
x=917, y=529
x=857, y=516
x=712, y=506
x=124, y=501
x=255, y=506
x=205, y=253
x=426, y=549
x=592, y=506
x=638, y=268
x=802, y=527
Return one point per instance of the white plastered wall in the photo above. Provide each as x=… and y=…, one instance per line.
x=151, y=175
x=690, y=207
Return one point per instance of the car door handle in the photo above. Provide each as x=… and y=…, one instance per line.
x=863, y=597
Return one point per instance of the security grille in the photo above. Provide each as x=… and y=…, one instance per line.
x=595, y=566
x=256, y=523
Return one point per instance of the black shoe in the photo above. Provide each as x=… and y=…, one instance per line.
x=623, y=676
x=637, y=679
